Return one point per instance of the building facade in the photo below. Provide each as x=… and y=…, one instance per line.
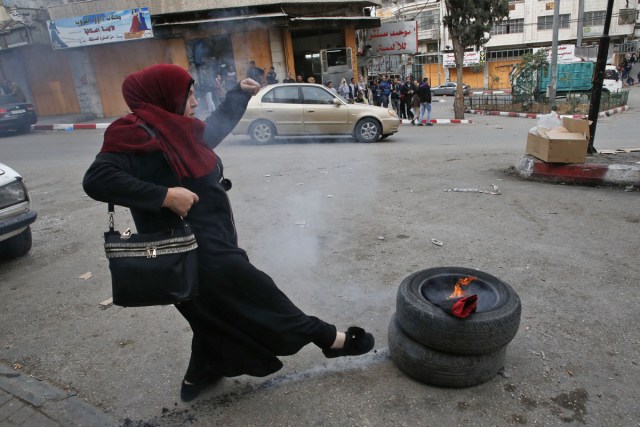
x=528, y=26
x=62, y=79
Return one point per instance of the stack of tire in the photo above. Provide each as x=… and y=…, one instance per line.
x=439, y=349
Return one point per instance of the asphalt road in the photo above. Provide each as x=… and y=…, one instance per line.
x=338, y=225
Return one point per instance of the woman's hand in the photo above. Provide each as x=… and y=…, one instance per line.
x=250, y=86
x=180, y=200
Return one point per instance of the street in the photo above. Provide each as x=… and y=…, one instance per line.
x=338, y=225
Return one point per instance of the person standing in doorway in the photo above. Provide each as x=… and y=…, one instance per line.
x=254, y=72
x=424, y=93
x=271, y=76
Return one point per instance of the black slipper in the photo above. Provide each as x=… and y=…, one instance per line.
x=357, y=342
x=188, y=392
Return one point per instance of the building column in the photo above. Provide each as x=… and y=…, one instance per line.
x=350, y=41
x=84, y=79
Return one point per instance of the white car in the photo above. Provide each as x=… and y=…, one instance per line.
x=16, y=215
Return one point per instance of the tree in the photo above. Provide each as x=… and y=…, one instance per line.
x=524, y=76
x=469, y=23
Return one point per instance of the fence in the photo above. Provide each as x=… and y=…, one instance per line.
x=572, y=103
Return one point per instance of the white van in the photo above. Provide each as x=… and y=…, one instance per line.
x=612, y=81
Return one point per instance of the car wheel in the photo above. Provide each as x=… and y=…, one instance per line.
x=24, y=129
x=438, y=368
x=368, y=130
x=262, y=132
x=493, y=325
x=17, y=245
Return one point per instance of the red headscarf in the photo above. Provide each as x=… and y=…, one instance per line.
x=157, y=95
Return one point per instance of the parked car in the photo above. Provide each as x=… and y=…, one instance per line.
x=16, y=215
x=298, y=109
x=449, y=88
x=17, y=116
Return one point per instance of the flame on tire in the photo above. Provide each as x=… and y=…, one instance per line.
x=458, y=292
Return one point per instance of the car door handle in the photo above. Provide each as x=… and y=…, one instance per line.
x=311, y=111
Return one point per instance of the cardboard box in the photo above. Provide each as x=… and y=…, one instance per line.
x=567, y=144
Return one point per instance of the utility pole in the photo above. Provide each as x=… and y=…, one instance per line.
x=596, y=89
x=580, y=23
x=554, y=55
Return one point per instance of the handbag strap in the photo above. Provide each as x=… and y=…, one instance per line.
x=110, y=205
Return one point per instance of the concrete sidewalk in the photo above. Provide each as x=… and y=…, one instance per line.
x=26, y=401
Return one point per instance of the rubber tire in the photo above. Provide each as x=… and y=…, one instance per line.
x=441, y=369
x=484, y=331
x=262, y=132
x=25, y=129
x=368, y=130
x=17, y=245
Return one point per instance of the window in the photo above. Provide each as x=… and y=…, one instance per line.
x=509, y=26
x=283, y=95
x=428, y=20
x=592, y=19
x=316, y=95
x=498, y=55
x=546, y=22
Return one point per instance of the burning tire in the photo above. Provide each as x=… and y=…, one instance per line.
x=493, y=325
x=441, y=369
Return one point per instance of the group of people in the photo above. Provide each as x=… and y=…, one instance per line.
x=411, y=100
x=625, y=67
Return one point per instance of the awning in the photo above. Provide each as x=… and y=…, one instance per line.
x=224, y=19
x=359, y=21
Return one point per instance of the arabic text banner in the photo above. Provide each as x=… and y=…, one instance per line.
x=109, y=27
x=394, y=38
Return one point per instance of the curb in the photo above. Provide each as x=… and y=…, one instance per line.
x=30, y=402
x=71, y=126
x=440, y=121
x=537, y=115
x=529, y=167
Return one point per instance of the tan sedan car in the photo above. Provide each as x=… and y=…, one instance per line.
x=300, y=109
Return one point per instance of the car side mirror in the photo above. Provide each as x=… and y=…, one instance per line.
x=337, y=102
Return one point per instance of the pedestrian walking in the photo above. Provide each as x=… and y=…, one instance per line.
x=424, y=94
x=407, y=90
x=385, y=91
x=159, y=162
x=415, y=107
x=375, y=92
x=395, y=96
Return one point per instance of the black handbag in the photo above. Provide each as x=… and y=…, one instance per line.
x=153, y=268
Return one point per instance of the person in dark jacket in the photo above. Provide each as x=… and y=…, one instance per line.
x=424, y=93
x=407, y=90
x=241, y=321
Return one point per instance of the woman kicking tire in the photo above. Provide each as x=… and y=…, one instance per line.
x=441, y=369
x=493, y=325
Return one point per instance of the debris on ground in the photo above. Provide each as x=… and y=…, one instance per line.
x=437, y=242
x=301, y=223
x=86, y=276
x=495, y=192
x=106, y=303
x=380, y=237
